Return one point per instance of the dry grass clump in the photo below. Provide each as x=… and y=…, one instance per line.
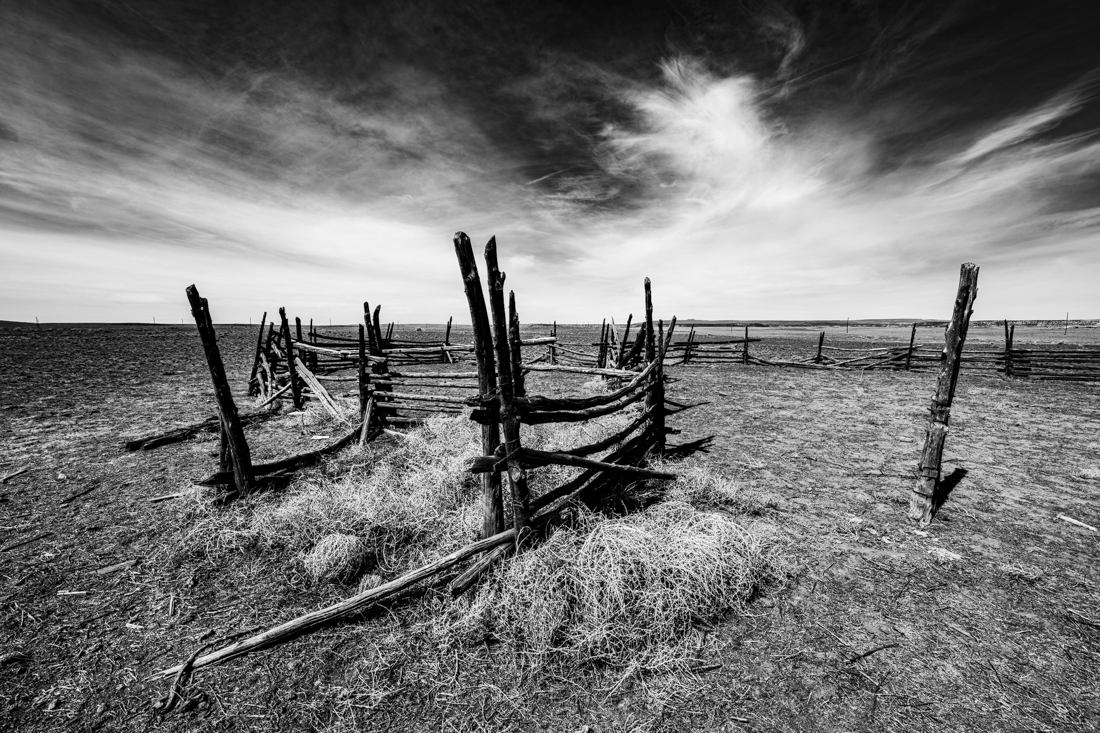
x=408, y=498
x=337, y=557
x=625, y=591
x=702, y=486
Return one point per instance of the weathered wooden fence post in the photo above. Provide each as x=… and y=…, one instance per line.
x=379, y=342
x=447, y=358
x=1008, y=348
x=601, y=355
x=370, y=328
x=652, y=406
x=820, y=346
x=253, y=384
x=745, y=353
x=238, y=453
x=922, y=502
x=366, y=403
x=509, y=416
x=311, y=357
x=267, y=361
x=492, y=502
x=657, y=418
x=288, y=345
x=519, y=389
x=912, y=340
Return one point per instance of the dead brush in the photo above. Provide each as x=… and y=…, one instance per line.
x=337, y=557
x=624, y=591
x=409, y=499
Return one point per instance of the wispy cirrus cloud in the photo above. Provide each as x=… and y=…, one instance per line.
x=125, y=175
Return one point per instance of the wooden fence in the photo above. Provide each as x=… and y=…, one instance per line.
x=1073, y=363
x=1076, y=364
x=713, y=351
x=502, y=406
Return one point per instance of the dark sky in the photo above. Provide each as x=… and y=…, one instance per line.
x=756, y=159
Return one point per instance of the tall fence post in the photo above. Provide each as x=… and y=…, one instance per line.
x=288, y=345
x=601, y=355
x=233, y=434
x=651, y=404
x=519, y=389
x=745, y=353
x=312, y=356
x=366, y=404
x=1008, y=348
x=820, y=346
x=379, y=342
x=509, y=417
x=657, y=419
x=922, y=502
x=912, y=340
x=253, y=384
x=492, y=502
x=370, y=328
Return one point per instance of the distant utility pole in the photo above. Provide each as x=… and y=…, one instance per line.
x=1067, y=322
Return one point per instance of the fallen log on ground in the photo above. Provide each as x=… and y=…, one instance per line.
x=176, y=435
x=532, y=458
x=344, y=609
x=293, y=463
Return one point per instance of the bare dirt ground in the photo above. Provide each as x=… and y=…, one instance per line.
x=988, y=620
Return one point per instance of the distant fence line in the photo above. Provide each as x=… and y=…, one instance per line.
x=1077, y=364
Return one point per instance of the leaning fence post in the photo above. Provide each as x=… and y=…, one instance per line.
x=922, y=502
x=239, y=455
x=912, y=340
x=253, y=385
x=295, y=387
x=509, y=417
x=518, y=387
x=447, y=358
x=623, y=342
x=492, y=502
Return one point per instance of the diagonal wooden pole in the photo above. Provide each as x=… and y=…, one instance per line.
x=235, y=450
x=509, y=415
x=288, y=345
x=922, y=502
